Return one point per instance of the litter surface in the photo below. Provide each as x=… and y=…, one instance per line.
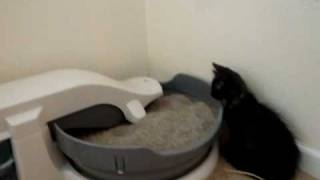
x=173, y=122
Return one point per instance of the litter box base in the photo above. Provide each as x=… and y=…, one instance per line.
x=202, y=172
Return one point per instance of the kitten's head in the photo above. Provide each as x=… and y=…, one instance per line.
x=227, y=86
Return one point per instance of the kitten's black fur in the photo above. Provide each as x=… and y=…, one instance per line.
x=257, y=140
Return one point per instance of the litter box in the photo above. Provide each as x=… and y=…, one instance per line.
x=132, y=163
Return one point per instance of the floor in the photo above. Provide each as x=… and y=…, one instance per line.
x=218, y=174
x=221, y=173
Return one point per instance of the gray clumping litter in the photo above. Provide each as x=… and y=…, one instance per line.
x=173, y=122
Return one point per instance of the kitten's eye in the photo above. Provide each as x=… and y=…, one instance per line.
x=219, y=85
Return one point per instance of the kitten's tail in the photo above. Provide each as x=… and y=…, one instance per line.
x=244, y=173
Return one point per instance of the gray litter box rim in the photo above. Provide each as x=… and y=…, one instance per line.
x=189, y=148
x=199, y=149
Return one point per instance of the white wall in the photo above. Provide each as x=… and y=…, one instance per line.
x=107, y=36
x=274, y=44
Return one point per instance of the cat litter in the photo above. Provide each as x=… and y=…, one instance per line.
x=173, y=122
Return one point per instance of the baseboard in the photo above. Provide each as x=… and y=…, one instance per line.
x=310, y=162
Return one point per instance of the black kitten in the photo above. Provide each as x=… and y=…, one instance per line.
x=257, y=140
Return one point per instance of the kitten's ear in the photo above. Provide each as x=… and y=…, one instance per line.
x=214, y=70
x=217, y=67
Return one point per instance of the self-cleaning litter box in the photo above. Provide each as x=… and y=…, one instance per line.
x=37, y=113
